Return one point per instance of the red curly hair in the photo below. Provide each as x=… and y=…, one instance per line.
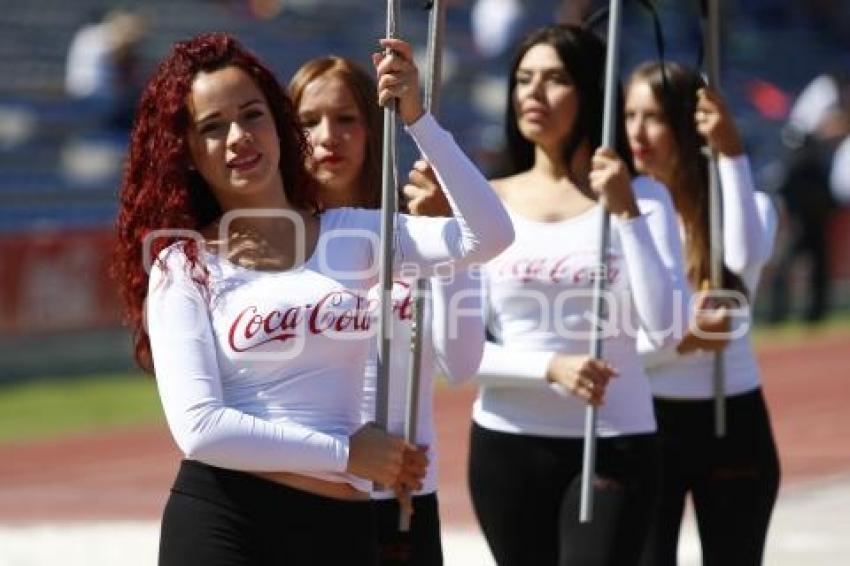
x=160, y=190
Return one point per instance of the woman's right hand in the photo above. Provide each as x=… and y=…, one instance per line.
x=609, y=179
x=386, y=459
x=583, y=376
x=714, y=121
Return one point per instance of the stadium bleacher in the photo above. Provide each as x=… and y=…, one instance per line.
x=38, y=122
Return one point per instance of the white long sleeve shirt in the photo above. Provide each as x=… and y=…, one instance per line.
x=263, y=371
x=749, y=230
x=540, y=303
x=452, y=344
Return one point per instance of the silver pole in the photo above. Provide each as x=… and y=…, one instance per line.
x=389, y=205
x=420, y=290
x=711, y=35
x=436, y=25
x=609, y=132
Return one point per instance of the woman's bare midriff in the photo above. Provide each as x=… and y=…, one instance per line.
x=316, y=486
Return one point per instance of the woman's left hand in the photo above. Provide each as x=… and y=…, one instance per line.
x=423, y=192
x=398, y=78
x=715, y=123
x=610, y=179
x=710, y=324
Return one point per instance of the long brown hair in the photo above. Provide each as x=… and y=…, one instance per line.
x=675, y=88
x=364, y=92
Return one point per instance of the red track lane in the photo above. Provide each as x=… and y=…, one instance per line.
x=126, y=475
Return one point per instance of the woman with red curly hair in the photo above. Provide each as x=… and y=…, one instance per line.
x=249, y=304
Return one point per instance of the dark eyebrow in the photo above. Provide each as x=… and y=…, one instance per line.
x=217, y=114
x=250, y=102
x=347, y=107
x=542, y=68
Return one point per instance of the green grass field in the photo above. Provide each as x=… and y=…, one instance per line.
x=795, y=331
x=45, y=408
x=53, y=407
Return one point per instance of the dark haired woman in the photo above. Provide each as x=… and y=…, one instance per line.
x=254, y=316
x=670, y=115
x=537, y=377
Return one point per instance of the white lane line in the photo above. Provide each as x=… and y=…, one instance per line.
x=810, y=526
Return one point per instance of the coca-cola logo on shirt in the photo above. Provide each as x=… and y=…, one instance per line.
x=402, y=299
x=574, y=269
x=403, y=306
x=337, y=311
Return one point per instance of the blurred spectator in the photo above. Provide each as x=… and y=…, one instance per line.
x=103, y=65
x=496, y=24
x=819, y=122
x=575, y=12
x=830, y=15
x=816, y=100
x=839, y=177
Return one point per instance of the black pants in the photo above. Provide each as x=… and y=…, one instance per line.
x=526, y=493
x=218, y=517
x=421, y=545
x=733, y=481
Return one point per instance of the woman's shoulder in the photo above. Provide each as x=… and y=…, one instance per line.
x=348, y=215
x=173, y=263
x=172, y=256
x=505, y=186
x=348, y=218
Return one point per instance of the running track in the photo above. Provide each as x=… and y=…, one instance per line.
x=126, y=475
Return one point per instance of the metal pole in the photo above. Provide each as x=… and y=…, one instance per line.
x=711, y=37
x=420, y=289
x=436, y=25
x=609, y=131
x=389, y=205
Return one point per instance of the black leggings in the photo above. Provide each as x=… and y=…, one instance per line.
x=526, y=492
x=219, y=517
x=733, y=481
x=421, y=545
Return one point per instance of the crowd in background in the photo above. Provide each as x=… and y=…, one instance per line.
x=73, y=79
